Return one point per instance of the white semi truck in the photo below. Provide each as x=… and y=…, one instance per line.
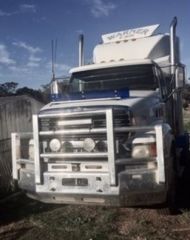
x=116, y=137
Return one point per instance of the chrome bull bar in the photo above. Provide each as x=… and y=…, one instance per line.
x=17, y=160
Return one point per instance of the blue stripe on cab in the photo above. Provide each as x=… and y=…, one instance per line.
x=121, y=93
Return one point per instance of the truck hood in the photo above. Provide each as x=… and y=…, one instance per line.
x=135, y=100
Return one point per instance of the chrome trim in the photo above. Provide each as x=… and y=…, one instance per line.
x=84, y=166
x=79, y=131
x=54, y=105
x=111, y=145
x=25, y=161
x=93, y=185
x=16, y=151
x=73, y=155
x=37, y=150
x=160, y=153
x=15, y=143
x=97, y=130
x=74, y=122
x=67, y=114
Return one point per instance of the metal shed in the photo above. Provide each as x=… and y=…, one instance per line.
x=15, y=115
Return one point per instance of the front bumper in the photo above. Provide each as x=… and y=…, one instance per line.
x=135, y=188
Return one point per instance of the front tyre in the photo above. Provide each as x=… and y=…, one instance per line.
x=172, y=183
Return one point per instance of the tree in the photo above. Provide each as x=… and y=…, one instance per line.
x=8, y=88
x=37, y=94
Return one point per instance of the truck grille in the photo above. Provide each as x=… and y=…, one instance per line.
x=121, y=119
x=80, y=133
x=82, y=142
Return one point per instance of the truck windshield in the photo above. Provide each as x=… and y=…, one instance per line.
x=138, y=77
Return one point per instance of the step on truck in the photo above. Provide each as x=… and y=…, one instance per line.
x=115, y=136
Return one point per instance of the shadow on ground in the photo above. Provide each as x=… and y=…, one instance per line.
x=19, y=207
x=183, y=192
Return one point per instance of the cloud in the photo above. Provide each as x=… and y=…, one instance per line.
x=2, y=14
x=25, y=75
x=23, y=8
x=18, y=69
x=5, y=56
x=33, y=64
x=60, y=68
x=27, y=8
x=28, y=47
x=101, y=8
x=6, y=14
x=33, y=60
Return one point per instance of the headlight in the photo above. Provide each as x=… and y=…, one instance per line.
x=55, y=145
x=144, y=150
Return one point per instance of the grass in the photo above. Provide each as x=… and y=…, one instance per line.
x=186, y=117
x=25, y=219
x=73, y=222
x=28, y=220
x=187, y=126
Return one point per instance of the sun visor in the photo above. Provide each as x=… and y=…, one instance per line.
x=153, y=47
x=135, y=33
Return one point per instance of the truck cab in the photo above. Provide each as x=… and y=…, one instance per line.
x=111, y=138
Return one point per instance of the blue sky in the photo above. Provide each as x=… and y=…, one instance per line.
x=28, y=26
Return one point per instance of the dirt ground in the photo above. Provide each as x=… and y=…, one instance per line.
x=25, y=219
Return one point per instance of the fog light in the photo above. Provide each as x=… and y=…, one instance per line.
x=101, y=146
x=55, y=145
x=89, y=144
x=144, y=151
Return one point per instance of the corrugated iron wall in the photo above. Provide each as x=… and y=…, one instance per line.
x=5, y=166
x=15, y=116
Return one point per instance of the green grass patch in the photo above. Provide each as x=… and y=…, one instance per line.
x=187, y=126
x=74, y=222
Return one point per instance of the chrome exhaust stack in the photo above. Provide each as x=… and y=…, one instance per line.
x=173, y=44
x=54, y=87
x=177, y=95
x=81, y=50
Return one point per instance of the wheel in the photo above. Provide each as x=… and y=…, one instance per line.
x=172, y=183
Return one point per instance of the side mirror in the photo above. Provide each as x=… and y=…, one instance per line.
x=180, y=77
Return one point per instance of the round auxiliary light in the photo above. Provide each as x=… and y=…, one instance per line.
x=89, y=144
x=55, y=145
x=101, y=146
